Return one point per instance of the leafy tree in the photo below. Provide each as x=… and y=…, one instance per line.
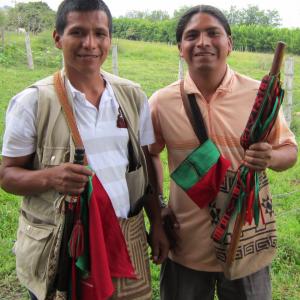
x=33, y=16
x=2, y=24
x=273, y=18
x=252, y=15
x=2, y=18
x=157, y=15
x=180, y=11
x=233, y=15
x=136, y=14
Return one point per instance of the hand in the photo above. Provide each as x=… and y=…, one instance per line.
x=69, y=178
x=258, y=156
x=171, y=226
x=159, y=243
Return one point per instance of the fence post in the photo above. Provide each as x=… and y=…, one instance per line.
x=288, y=86
x=28, y=51
x=181, y=68
x=115, y=60
x=2, y=37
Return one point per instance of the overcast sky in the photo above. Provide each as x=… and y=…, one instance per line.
x=289, y=10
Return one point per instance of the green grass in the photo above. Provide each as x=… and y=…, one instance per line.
x=153, y=65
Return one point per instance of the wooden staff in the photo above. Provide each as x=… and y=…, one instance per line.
x=240, y=220
x=65, y=261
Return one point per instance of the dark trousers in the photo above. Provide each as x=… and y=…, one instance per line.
x=180, y=283
x=32, y=297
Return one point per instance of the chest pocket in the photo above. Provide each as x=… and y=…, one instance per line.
x=53, y=156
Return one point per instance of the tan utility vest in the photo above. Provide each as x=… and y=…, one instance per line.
x=41, y=219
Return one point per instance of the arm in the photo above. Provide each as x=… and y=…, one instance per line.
x=260, y=156
x=158, y=239
x=17, y=177
x=170, y=222
x=158, y=169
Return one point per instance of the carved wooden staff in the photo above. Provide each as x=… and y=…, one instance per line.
x=240, y=220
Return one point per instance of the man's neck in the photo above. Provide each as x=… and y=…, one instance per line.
x=91, y=85
x=208, y=82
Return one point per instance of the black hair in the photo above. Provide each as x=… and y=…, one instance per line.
x=68, y=6
x=207, y=9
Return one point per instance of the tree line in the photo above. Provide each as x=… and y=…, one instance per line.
x=253, y=29
x=258, y=38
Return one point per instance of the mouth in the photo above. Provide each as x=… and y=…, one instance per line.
x=204, y=54
x=88, y=55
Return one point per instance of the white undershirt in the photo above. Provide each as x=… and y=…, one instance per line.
x=105, y=143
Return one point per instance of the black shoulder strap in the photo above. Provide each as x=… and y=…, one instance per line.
x=194, y=114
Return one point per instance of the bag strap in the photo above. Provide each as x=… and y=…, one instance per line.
x=68, y=111
x=194, y=114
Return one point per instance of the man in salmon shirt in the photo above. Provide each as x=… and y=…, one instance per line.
x=113, y=120
x=225, y=98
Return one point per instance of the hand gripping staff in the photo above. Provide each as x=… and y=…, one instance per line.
x=73, y=234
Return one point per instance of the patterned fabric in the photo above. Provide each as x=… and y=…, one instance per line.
x=257, y=243
x=264, y=112
x=245, y=204
x=135, y=235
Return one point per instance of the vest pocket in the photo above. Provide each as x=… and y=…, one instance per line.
x=32, y=248
x=55, y=156
x=136, y=188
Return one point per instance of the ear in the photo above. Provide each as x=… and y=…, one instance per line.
x=230, y=44
x=57, y=39
x=180, y=49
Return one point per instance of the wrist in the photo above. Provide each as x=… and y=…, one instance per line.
x=161, y=201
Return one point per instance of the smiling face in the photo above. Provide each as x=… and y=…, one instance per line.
x=205, y=44
x=85, y=42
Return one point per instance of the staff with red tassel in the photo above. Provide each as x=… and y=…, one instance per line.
x=259, y=125
x=73, y=234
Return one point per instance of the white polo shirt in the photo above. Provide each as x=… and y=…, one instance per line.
x=105, y=144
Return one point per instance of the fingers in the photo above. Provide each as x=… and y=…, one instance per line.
x=160, y=253
x=155, y=252
x=258, y=156
x=168, y=215
x=174, y=221
x=160, y=247
x=69, y=178
x=159, y=243
x=260, y=146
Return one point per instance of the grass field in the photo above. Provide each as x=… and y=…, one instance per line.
x=153, y=65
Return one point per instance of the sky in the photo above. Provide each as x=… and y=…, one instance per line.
x=289, y=10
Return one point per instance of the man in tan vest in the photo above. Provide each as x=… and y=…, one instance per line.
x=113, y=121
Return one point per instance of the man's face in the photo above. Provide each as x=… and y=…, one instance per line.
x=205, y=44
x=85, y=41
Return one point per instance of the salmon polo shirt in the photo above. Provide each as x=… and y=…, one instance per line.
x=225, y=117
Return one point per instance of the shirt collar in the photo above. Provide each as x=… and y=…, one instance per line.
x=78, y=95
x=225, y=86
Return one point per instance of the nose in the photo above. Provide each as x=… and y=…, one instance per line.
x=203, y=39
x=89, y=41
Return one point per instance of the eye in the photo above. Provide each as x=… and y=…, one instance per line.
x=213, y=32
x=190, y=36
x=100, y=34
x=76, y=32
